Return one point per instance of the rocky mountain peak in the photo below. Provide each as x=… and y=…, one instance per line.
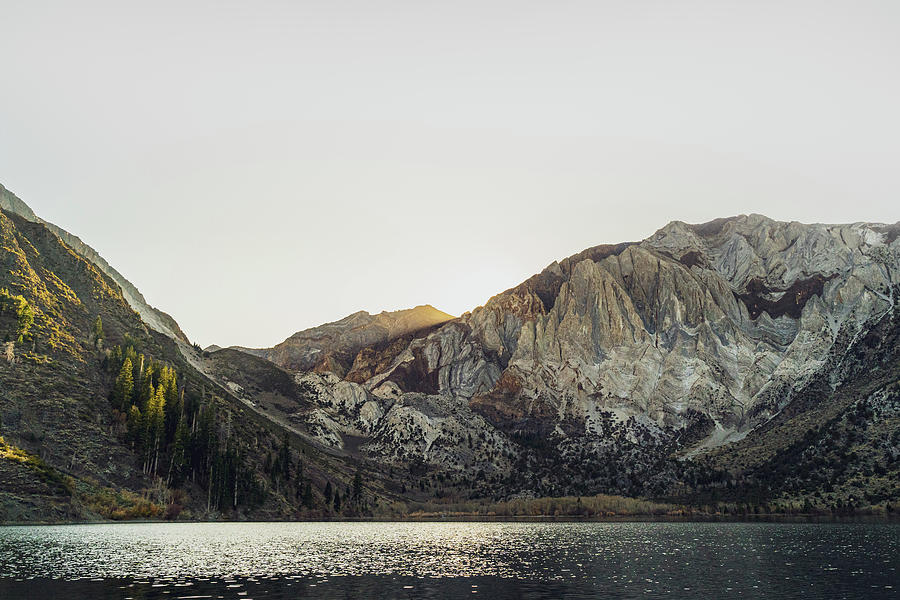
x=723, y=319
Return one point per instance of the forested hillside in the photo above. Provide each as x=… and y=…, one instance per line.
x=103, y=418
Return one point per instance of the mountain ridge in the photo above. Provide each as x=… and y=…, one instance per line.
x=700, y=332
x=329, y=346
x=74, y=435
x=697, y=365
x=157, y=319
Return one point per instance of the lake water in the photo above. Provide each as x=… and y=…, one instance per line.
x=451, y=560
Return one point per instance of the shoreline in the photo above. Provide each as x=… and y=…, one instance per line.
x=767, y=518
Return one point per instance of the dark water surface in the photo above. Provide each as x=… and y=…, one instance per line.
x=499, y=561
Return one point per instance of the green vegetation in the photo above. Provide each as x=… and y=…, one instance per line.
x=197, y=452
x=124, y=386
x=598, y=506
x=23, y=311
x=121, y=505
x=830, y=451
x=97, y=331
x=47, y=473
x=176, y=434
x=604, y=506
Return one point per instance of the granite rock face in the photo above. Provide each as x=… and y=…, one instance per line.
x=724, y=318
x=703, y=329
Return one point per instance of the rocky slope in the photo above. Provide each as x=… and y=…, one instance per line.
x=608, y=369
x=157, y=319
x=334, y=347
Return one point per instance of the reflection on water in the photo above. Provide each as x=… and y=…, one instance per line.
x=451, y=560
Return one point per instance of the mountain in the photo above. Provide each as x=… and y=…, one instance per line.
x=670, y=367
x=334, y=347
x=104, y=415
x=743, y=364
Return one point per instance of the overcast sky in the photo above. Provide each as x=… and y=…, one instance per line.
x=257, y=168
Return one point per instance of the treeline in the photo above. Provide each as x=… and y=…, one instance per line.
x=175, y=431
x=291, y=478
x=601, y=505
x=609, y=506
x=181, y=440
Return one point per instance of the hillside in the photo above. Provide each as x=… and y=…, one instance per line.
x=75, y=448
x=157, y=319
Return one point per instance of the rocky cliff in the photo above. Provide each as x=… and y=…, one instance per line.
x=628, y=358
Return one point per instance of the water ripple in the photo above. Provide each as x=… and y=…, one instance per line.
x=410, y=560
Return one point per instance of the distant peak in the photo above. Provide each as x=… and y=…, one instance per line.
x=421, y=309
x=431, y=309
x=714, y=227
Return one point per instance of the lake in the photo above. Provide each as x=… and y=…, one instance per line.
x=451, y=560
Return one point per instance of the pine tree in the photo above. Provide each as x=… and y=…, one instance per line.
x=357, y=486
x=154, y=426
x=144, y=386
x=210, y=448
x=337, y=501
x=134, y=425
x=328, y=493
x=179, y=454
x=131, y=354
x=97, y=331
x=24, y=316
x=174, y=405
x=307, y=495
x=114, y=359
x=124, y=386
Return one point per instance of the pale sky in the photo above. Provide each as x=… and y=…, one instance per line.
x=256, y=168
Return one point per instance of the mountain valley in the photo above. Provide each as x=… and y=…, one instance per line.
x=743, y=365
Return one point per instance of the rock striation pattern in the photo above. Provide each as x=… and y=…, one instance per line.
x=682, y=342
